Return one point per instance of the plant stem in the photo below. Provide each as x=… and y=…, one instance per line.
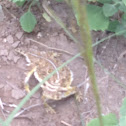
x=86, y=45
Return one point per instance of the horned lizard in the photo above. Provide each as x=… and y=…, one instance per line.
x=40, y=64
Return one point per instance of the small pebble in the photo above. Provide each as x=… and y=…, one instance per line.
x=19, y=35
x=4, y=40
x=1, y=85
x=14, y=45
x=10, y=39
x=10, y=56
x=7, y=88
x=15, y=59
x=39, y=35
x=3, y=52
x=17, y=93
x=8, y=77
x=4, y=58
x=27, y=41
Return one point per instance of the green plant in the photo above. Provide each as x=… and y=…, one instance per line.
x=86, y=44
x=19, y=2
x=27, y=20
x=111, y=119
x=102, y=15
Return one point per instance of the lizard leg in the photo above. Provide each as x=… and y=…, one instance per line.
x=48, y=108
x=78, y=95
x=29, y=74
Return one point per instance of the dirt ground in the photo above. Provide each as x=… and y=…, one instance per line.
x=12, y=70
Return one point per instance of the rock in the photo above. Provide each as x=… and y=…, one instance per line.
x=4, y=58
x=16, y=58
x=12, y=56
x=10, y=39
x=3, y=52
x=17, y=93
x=27, y=41
x=8, y=77
x=39, y=35
x=14, y=45
x=7, y=88
x=1, y=85
x=4, y=40
x=19, y=35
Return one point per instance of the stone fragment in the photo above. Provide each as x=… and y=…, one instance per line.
x=8, y=77
x=7, y=88
x=12, y=56
x=3, y=52
x=4, y=40
x=39, y=35
x=1, y=85
x=15, y=44
x=17, y=93
x=4, y=58
x=16, y=58
x=19, y=35
x=10, y=39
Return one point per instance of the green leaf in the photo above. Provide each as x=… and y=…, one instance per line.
x=108, y=120
x=122, y=121
x=124, y=19
x=121, y=29
x=122, y=26
x=122, y=7
x=1, y=122
x=104, y=1
x=96, y=18
x=92, y=0
x=19, y=2
x=123, y=108
x=113, y=25
x=123, y=113
x=124, y=1
x=109, y=10
x=28, y=22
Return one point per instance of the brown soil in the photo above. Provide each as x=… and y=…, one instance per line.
x=12, y=70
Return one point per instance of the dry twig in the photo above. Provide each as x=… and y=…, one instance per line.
x=52, y=48
x=65, y=123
